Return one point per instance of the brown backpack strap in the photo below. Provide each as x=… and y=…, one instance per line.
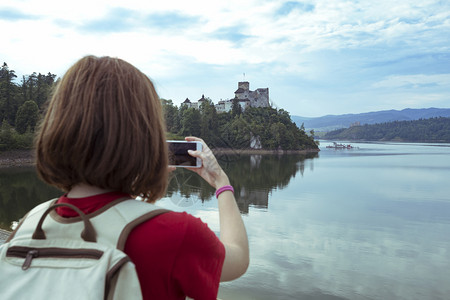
x=130, y=226
x=88, y=234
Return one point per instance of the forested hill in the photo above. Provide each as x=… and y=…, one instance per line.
x=333, y=122
x=264, y=128
x=423, y=130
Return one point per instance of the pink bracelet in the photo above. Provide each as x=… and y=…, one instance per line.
x=223, y=189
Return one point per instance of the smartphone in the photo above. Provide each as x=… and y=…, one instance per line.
x=179, y=156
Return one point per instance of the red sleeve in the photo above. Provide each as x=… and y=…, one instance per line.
x=199, y=263
x=176, y=255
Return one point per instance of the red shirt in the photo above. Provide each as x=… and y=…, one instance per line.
x=176, y=255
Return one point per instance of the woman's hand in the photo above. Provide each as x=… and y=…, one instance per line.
x=210, y=169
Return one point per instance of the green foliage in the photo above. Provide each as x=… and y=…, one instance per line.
x=6, y=136
x=208, y=120
x=10, y=139
x=9, y=93
x=190, y=122
x=173, y=136
x=423, y=130
x=27, y=116
x=236, y=108
x=37, y=87
x=171, y=115
x=20, y=106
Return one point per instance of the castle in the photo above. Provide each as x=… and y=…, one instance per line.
x=244, y=96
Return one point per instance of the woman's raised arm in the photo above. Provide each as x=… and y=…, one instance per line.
x=232, y=230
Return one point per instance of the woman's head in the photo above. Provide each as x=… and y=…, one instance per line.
x=104, y=127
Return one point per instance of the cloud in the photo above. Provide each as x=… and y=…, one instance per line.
x=121, y=19
x=171, y=20
x=414, y=81
x=287, y=7
x=12, y=14
x=233, y=34
x=115, y=20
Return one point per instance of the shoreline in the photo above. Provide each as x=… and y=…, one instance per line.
x=262, y=151
x=16, y=158
x=25, y=158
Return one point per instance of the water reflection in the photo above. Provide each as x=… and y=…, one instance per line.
x=20, y=191
x=252, y=176
x=367, y=223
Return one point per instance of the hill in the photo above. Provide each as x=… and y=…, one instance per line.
x=262, y=128
x=333, y=122
x=423, y=130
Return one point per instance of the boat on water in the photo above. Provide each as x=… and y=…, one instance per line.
x=340, y=146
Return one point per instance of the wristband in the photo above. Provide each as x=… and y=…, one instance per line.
x=223, y=189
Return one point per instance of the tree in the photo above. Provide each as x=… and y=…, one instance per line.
x=190, y=122
x=236, y=109
x=27, y=117
x=8, y=94
x=208, y=122
x=44, y=84
x=6, y=136
x=236, y=133
x=37, y=87
x=171, y=116
x=278, y=133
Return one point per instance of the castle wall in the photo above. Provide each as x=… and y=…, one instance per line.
x=259, y=98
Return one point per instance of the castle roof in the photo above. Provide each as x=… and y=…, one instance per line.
x=202, y=98
x=187, y=100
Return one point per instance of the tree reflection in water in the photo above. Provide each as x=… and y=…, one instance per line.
x=252, y=176
x=20, y=191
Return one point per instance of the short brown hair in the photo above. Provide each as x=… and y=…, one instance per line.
x=104, y=127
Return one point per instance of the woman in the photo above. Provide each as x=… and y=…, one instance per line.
x=103, y=138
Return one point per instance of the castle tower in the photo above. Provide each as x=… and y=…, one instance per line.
x=245, y=85
x=243, y=90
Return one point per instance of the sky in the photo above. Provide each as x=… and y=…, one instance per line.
x=316, y=57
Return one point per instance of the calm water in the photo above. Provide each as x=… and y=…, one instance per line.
x=366, y=223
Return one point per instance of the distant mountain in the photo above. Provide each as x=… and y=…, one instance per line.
x=333, y=122
x=435, y=130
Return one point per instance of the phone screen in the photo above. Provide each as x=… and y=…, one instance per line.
x=179, y=156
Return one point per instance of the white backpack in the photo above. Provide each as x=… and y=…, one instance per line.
x=47, y=258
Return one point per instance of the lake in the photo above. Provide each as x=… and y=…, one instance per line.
x=371, y=222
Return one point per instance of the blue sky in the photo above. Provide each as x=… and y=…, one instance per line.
x=316, y=57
